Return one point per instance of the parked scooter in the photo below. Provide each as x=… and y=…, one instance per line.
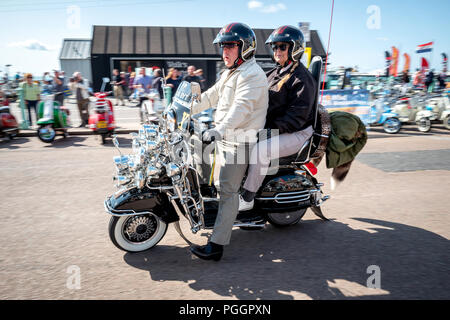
x=152, y=108
x=53, y=119
x=8, y=123
x=101, y=115
x=435, y=108
x=381, y=114
x=159, y=184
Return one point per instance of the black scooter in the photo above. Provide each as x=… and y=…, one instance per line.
x=157, y=190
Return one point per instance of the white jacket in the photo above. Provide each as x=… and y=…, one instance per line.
x=240, y=98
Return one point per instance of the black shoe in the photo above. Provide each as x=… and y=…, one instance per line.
x=210, y=251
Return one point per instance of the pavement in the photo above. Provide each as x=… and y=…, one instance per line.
x=389, y=215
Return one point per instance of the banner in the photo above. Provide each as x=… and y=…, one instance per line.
x=307, y=55
x=388, y=62
x=426, y=47
x=394, y=64
x=352, y=101
x=444, y=62
x=407, y=62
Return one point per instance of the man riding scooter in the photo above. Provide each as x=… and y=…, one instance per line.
x=240, y=98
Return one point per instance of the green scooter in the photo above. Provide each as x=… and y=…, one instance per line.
x=53, y=119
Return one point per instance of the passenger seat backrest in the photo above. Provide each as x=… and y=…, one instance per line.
x=307, y=150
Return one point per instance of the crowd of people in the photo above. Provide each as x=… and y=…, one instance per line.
x=423, y=79
x=128, y=85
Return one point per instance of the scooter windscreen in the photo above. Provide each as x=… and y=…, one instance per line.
x=181, y=104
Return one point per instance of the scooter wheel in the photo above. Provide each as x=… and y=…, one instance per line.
x=285, y=219
x=392, y=125
x=424, y=124
x=136, y=233
x=103, y=138
x=46, y=134
x=447, y=122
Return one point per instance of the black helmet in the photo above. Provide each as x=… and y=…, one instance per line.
x=241, y=33
x=290, y=35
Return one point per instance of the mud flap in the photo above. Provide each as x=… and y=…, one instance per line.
x=318, y=212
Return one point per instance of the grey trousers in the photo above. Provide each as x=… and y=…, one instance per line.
x=233, y=164
x=277, y=147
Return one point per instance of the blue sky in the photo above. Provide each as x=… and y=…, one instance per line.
x=33, y=30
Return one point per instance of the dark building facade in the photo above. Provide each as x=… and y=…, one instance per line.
x=125, y=47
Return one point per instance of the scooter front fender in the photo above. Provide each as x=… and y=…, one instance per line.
x=136, y=202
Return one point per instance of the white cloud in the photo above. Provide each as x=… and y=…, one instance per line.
x=254, y=4
x=31, y=45
x=259, y=6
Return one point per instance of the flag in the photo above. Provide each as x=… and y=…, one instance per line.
x=394, y=64
x=407, y=62
x=424, y=64
x=426, y=47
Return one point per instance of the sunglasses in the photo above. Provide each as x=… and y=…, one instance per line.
x=228, y=45
x=282, y=47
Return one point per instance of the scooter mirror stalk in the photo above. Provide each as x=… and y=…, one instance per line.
x=196, y=91
x=116, y=142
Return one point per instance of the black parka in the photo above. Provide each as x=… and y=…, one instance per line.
x=291, y=105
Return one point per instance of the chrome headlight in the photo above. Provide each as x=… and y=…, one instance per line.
x=139, y=179
x=152, y=171
x=141, y=155
x=151, y=145
x=121, y=162
x=122, y=180
x=136, y=145
x=132, y=165
x=172, y=170
x=151, y=133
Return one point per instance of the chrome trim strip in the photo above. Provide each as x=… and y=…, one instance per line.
x=122, y=213
x=290, y=197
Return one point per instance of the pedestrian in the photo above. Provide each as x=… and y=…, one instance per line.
x=240, y=98
x=126, y=78
x=429, y=80
x=58, y=87
x=441, y=78
x=191, y=77
x=118, y=84
x=173, y=80
x=157, y=82
x=143, y=83
x=131, y=88
x=31, y=95
x=199, y=74
x=82, y=95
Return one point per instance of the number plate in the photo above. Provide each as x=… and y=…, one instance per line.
x=101, y=124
